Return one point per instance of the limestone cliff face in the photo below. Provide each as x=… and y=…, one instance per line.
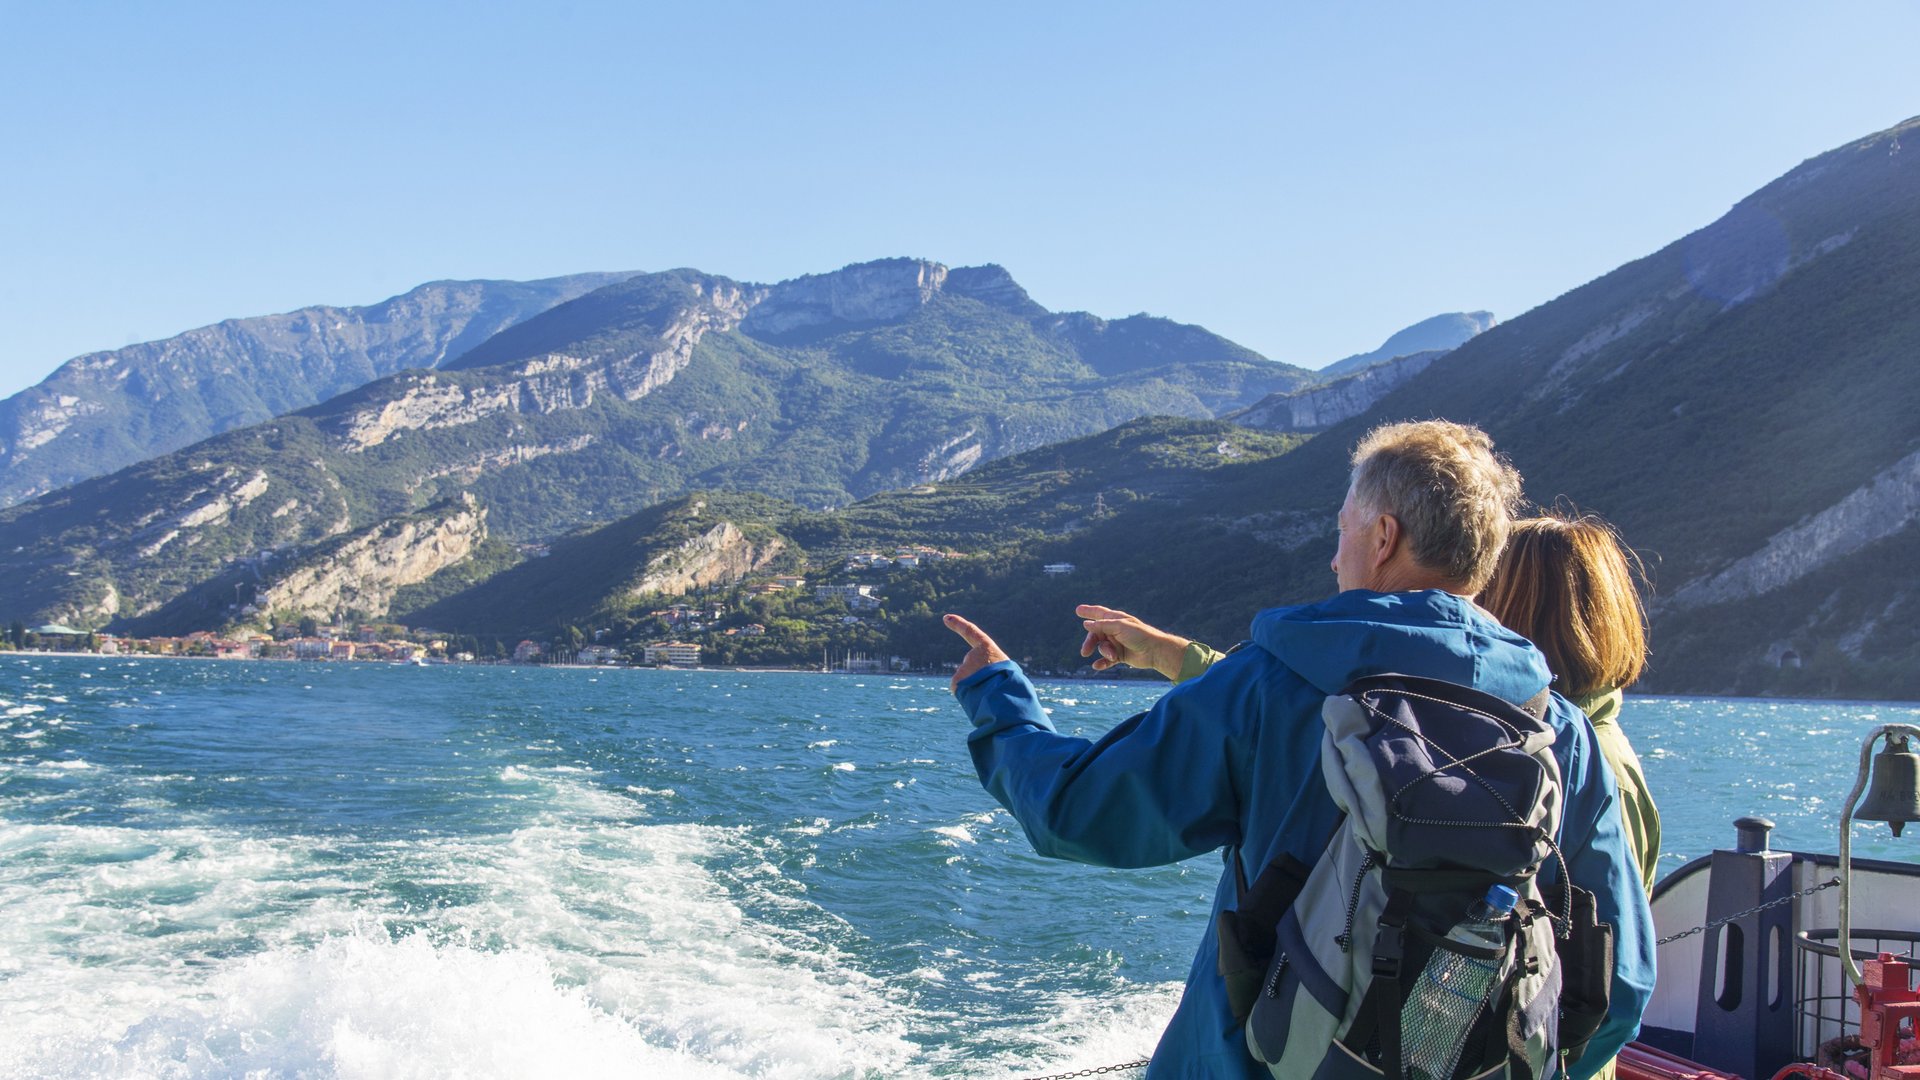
x=209, y=505
x=362, y=571
x=105, y=410
x=1323, y=406
x=722, y=554
x=1881, y=507
x=868, y=292
x=950, y=458
x=991, y=284
x=547, y=383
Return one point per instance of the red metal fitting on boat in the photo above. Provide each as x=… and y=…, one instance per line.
x=1889, y=1019
x=1889, y=1044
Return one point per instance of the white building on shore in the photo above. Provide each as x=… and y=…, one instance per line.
x=673, y=653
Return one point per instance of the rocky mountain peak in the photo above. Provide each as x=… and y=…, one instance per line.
x=878, y=291
x=991, y=284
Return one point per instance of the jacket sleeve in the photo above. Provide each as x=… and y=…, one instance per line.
x=1159, y=787
x=1196, y=659
x=1600, y=859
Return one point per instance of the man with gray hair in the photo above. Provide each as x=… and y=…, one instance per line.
x=1230, y=760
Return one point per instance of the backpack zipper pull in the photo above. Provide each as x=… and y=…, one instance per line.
x=1345, y=940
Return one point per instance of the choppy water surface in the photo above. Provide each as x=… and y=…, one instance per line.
x=215, y=869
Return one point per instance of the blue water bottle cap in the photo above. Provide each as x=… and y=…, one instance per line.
x=1501, y=899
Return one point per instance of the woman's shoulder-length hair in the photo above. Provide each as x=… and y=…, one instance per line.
x=1567, y=583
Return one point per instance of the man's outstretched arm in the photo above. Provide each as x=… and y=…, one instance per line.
x=1158, y=788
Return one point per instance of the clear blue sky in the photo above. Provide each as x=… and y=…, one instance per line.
x=1305, y=179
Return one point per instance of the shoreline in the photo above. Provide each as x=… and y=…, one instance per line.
x=1065, y=680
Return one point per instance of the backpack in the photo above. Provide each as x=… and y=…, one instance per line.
x=1445, y=792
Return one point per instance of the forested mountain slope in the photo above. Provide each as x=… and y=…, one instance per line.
x=1740, y=403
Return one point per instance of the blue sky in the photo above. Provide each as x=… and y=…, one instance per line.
x=1305, y=179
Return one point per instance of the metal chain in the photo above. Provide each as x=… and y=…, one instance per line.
x=1756, y=909
x=1141, y=1064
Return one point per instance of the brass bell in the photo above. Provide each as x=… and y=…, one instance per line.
x=1893, y=795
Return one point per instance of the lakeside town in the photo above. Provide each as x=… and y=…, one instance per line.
x=685, y=633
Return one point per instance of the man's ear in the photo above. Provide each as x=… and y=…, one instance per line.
x=1387, y=537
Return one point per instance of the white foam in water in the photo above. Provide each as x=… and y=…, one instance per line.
x=953, y=833
x=581, y=947
x=580, y=937
x=1076, y=1032
x=352, y=1007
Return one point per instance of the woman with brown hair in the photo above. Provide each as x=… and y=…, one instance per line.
x=1566, y=582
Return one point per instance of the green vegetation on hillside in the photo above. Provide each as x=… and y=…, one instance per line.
x=1004, y=521
x=1706, y=398
x=599, y=408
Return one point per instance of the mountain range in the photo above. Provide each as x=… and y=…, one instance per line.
x=106, y=410
x=1737, y=403
x=819, y=390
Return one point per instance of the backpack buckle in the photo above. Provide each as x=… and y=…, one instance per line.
x=1389, y=948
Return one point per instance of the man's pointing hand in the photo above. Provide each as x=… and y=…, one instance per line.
x=981, y=650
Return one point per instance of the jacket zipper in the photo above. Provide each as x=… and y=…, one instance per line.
x=1273, y=980
x=1345, y=940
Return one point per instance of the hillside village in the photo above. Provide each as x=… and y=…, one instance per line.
x=714, y=621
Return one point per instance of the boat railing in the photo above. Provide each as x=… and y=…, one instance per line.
x=1828, y=1010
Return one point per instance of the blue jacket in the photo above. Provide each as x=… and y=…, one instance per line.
x=1231, y=760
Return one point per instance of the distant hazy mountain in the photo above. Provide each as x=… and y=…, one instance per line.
x=105, y=410
x=1440, y=333
x=1318, y=407
x=818, y=390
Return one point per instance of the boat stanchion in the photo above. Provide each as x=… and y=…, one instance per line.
x=1743, y=1011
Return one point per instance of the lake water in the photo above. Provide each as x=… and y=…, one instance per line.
x=276, y=869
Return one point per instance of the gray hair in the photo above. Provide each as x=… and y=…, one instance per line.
x=1452, y=494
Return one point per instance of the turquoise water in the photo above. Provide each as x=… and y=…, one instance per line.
x=229, y=868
